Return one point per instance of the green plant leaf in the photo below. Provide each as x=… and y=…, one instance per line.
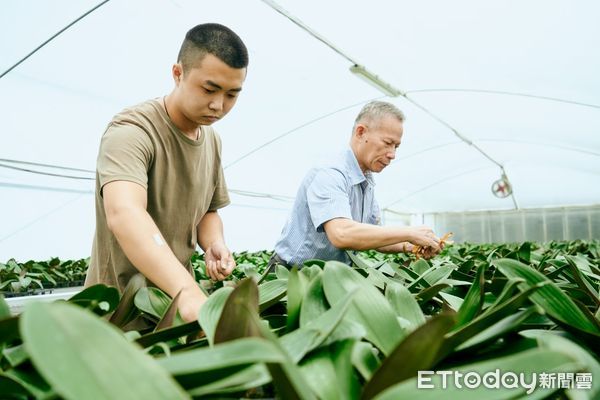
x=364, y=359
x=418, y=351
x=299, y=342
x=210, y=313
x=15, y=355
x=170, y=317
x=528, y=362
x=153, y=301
x=405, y=305
x=281, y=272
x=372, y=310
x=198, y=367
x=552, y=341
x=236, y=318
x=509, y=324
x=473, y=300
x=314, y=303
x=250, y=377
x=456, y=338
x=4, y=308
x=92, y=296
x=297, y=286
x=553, y=300
x=319, y=372
x=167, y=334
x=271, y=292
x=83, y=357
x=126, y=310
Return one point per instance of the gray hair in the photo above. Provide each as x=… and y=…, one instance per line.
x=375, y=110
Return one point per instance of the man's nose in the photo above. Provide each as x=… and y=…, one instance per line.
x=216, y=104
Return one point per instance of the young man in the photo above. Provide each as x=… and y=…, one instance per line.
x=159, y=180
x=335, y=209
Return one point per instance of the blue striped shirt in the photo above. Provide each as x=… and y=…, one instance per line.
x=338, y=189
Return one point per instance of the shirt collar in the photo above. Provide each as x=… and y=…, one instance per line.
x=354, y=172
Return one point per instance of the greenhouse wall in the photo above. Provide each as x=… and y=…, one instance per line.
x=543, y=224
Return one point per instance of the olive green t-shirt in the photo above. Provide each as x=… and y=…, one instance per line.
x=183, y=179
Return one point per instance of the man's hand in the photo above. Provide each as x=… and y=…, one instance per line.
x=190, y=301
x=423, y=236
x=219, y=261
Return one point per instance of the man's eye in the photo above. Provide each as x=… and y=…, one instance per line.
x=208, y=90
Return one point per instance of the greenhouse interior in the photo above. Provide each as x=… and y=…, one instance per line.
x=499, y=159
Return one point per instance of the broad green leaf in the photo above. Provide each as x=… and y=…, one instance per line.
x=314, y=302
x=271, y=292
x=282, y=272
x=126, y=310
x=364, y=359
x=507, y=291
x=582, y=281
x=527, y=362
x=319, y=372
x=473, y=300
x=553, y=300
x=170, y=317
x=299, y=342
x=552, y=341
x=30, y=379
x=250, y=377
x=83, y=357
x=92, y=296
x=456, y=338
x=405, y=305
x=418, y=351
x=370, y=308
x=4, y=308
x=297, y=285
x=346, y=329
x=420, y=266
x=165, y=335
x=15, y=355
x=430, y=292
x=454, y=302
x=152, y=301
x=199, y=367
x=236, y=318
x=509, y=324
x=211, y=312
x=362, y=262
x=287, y=378
x=341, y=352
x=330, y=373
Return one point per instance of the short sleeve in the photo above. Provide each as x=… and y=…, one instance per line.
x=375, y=217
x=327, y=198
x=126, y=153
x=220, y=198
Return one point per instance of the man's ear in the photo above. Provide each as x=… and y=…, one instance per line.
x=177, y=72
x=360, y=131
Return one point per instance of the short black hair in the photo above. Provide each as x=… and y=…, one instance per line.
x=215, y=39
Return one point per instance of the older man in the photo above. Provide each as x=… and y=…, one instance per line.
x=335, y=208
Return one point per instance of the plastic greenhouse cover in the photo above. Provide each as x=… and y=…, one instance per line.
x=462, y=61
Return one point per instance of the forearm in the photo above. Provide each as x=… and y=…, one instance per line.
x=210, y=230
x=347, y=234
x=144, y=246
x=403, y=247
